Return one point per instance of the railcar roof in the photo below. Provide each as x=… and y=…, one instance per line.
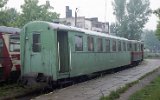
x=10, y=30
x=64, y=27
x=135, y=41
x=71, y=28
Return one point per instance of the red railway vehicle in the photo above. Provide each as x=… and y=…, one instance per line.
x=9, y=53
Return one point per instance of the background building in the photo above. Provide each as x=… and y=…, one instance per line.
x=85, y=23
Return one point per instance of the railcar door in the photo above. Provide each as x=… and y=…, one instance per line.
x=35, y=57
x=37, y=53
x=63, y=52
x=32, y=56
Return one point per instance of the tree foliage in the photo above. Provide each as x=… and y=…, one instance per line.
x=151, y=42
x=131, y=17
x=9, y=17
x=2, y=3
x=113, y=29
x=31, y=11
x=157, y=12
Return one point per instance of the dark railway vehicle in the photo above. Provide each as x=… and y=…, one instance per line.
x=9, y=53
x=51, y=52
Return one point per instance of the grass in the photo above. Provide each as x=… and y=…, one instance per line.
x=116, y=94
x=14, y=90
x=150, y=92
x=11, y=90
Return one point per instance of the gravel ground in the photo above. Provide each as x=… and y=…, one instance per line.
x=94, y=89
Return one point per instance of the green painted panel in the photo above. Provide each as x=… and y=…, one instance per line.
x=84, y=62
x=43, y=61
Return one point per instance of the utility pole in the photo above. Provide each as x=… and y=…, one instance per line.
x=105, y=19
x=76, y=16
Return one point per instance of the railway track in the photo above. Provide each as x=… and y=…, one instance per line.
x=17, y=92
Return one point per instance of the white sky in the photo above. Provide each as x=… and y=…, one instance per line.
x=90, y=8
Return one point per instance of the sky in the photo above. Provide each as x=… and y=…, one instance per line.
x=90, y=8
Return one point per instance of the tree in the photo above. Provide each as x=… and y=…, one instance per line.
x=157, y=12
x=8, y=17
x=119, y=12
x=131, y=17
x=138, y=11
x=151, y=42
x=113, y=29
x=2, y=3
x=31, y=11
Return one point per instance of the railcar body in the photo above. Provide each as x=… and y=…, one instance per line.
x=9, y=52
x=56, y=51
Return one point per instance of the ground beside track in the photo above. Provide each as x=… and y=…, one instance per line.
x=149, y=92
x=94, y=89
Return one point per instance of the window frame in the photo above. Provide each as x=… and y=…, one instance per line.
x=129, y=46
x=38, y=44
x=99, y=44
x=12, y=44
x=108, y=44
x=124, y=46
x=119, y=45
x=82, y=47
x=135, y=47
x=90, y=40
x=114, y=46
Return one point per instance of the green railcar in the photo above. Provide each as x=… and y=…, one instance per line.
x=57, y=51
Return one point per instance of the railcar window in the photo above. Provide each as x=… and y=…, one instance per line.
x=107, y=45
x=36, y=47
x=135, y=46
x=124, y=46
x=138, y=47
x=100, y=44
x=114, y=45
x=129, y=46
x=119, y=46
x=90, y=43
x=141, y=47
x=78, y=43
x=14, y=43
